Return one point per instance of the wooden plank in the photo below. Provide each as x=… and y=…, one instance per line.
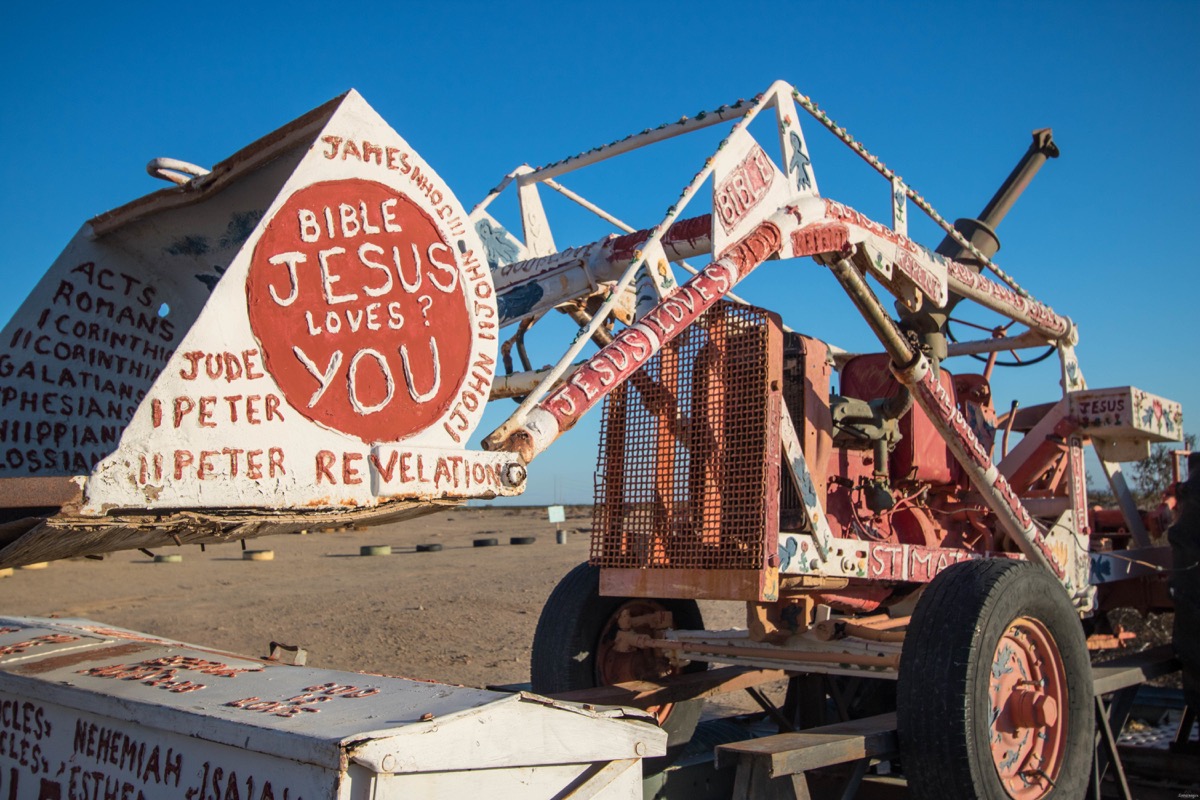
x=34, y=492
x=757, y=585
x=1134, y=669
x=1029, y=416
x=642, y=694
x=791, y=753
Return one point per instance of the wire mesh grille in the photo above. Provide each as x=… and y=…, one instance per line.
x=684, y=478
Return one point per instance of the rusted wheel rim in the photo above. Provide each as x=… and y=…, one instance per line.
x=642, y=664
x=1027, y=690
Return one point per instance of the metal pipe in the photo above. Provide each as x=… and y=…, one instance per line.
x=966, y=282
x=981, y=233
x=1026, y=340
x=888, y=624
x=520, y=383
x=880, y=322
x=568, y=274
x=704, y=119
x=686, y=238
x=1042, y=148
x=891, y=661
x=583, y=202
x=873, y=634
x=602, y=336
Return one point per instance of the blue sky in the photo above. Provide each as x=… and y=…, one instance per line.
x=946, y=94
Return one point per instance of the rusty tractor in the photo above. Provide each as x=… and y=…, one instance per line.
x=309, y=332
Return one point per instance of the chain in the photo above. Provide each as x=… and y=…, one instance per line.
x=912, y=194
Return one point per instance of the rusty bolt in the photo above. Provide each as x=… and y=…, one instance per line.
x=428, y=717
x=514, y=474
x=628, y=641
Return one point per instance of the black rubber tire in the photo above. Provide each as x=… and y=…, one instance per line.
x=1184, y=536
x=568, y=635
x=429, y=548
x=522, y=539
x=489, y=542
x=943, y=708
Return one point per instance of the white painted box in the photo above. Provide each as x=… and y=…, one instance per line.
x=93, y=712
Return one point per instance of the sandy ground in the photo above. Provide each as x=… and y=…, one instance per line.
x=463, y=615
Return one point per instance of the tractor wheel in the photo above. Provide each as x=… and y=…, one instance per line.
x=994, y=698
x=573, y=646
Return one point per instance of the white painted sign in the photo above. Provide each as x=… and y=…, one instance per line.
x=319, y=333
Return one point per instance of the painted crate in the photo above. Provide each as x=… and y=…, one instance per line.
x=90, y=711
x=1124, y=421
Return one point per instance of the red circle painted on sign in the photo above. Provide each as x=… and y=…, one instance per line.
x=358, y=304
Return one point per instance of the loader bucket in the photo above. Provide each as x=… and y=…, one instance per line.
x=304, y=335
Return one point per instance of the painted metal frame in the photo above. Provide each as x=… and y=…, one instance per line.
x=797, y=223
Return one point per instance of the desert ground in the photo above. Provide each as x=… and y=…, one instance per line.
x=463, y=615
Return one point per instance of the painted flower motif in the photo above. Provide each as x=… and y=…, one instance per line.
x=1158, y=410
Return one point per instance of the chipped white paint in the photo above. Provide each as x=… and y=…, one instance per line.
x=797, y=468
x=899, y=206
x=747, y=188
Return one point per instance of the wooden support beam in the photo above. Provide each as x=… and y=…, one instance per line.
x=1134, y=669
x=691, y=686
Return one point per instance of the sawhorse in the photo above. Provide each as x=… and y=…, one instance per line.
x=1118, y=680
